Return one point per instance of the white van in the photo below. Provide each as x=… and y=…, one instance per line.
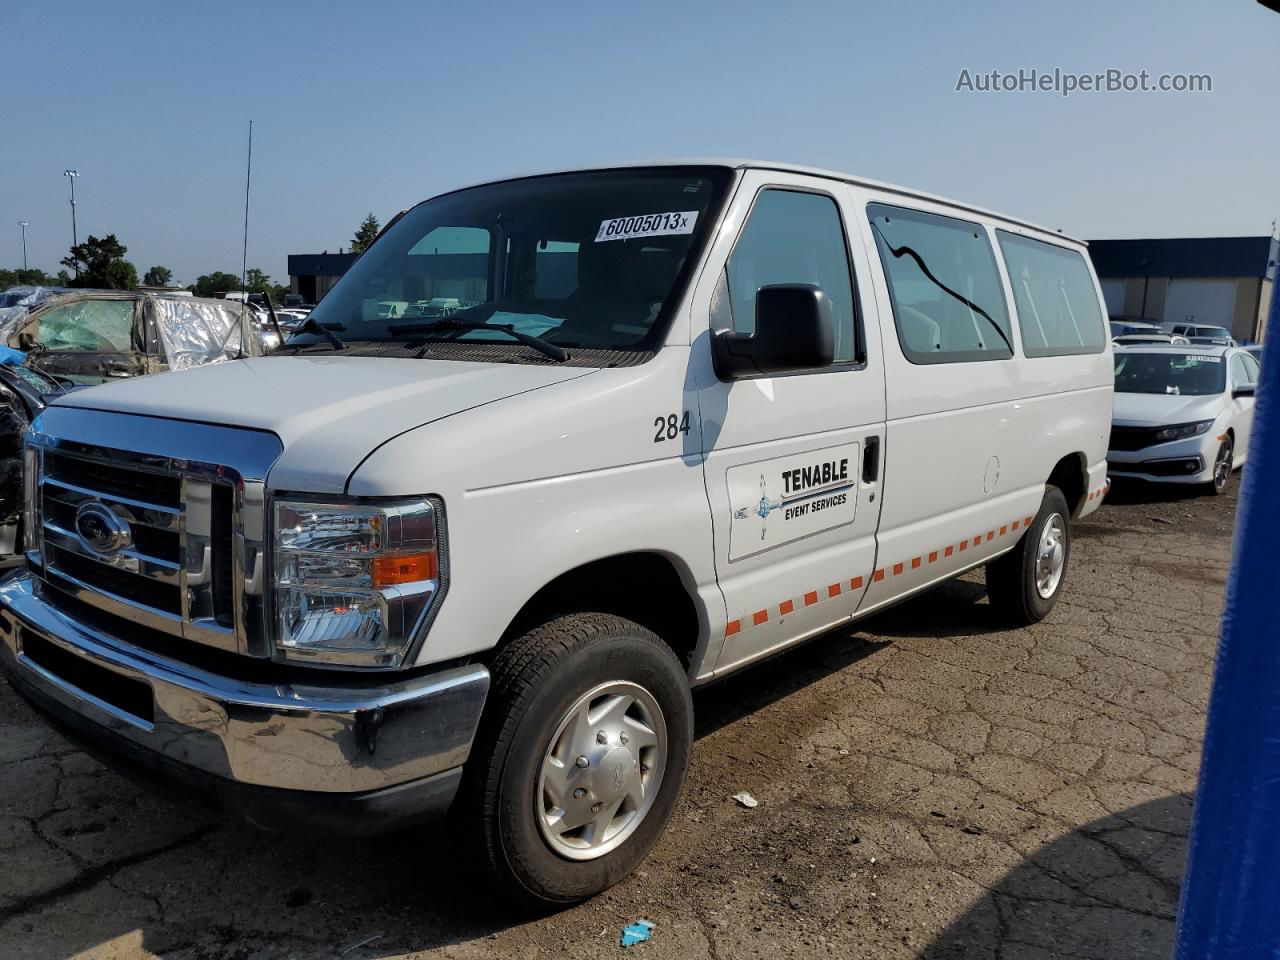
x=685, y=416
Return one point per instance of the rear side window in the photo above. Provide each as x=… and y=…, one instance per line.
x=794, y=237
x=1053, y=290
x=948, y=305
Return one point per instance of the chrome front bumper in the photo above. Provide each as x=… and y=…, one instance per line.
x=394, y=747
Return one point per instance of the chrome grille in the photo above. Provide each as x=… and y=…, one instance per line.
x=192, y=562
x=147, y=572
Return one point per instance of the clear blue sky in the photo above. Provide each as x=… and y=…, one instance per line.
x=372, y=106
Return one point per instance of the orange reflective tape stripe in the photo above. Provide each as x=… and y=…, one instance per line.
x=759, y=617
x=855, y=583
x=732, y=627
x=877, y=576
x=785, y=607
x=811, y=598
x=833, y=590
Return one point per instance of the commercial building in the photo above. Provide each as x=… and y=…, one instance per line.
x=1227, y=281
x=312, y=275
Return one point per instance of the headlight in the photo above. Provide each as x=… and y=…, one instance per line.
x=1183, y=430
x=354, y=581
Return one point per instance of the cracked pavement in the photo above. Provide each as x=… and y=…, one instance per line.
x=930, y=785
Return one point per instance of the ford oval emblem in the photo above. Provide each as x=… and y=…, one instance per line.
x=100, y=529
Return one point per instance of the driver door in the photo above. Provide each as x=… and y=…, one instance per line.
x=1242, y=372
x=87, y=340
x=793, y=463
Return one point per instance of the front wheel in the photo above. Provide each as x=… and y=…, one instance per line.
x=1222, y=467
x=580, y=758
x=1024, y=584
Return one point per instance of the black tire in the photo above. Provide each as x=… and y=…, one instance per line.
x=1012, y=578
x=535, y=680
x=1221, y=477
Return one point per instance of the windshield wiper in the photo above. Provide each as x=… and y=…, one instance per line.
x=899, y=252
x=557, y=353
x=315, y=326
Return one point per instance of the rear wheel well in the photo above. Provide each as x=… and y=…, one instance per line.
x=1068, y=475
x=642, y=587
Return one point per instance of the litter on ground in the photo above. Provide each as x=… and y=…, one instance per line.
x=637, y=932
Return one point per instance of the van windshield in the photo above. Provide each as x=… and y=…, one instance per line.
x=1177, y=374
x=593, y=261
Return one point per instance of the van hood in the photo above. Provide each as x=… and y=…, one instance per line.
x=1158, y=409
x=330, y=412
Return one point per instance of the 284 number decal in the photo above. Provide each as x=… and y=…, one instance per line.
x=670, y=426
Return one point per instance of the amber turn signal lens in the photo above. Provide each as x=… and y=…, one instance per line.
x=405, y=568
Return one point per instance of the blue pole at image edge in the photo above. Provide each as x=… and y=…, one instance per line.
x=1231, y=894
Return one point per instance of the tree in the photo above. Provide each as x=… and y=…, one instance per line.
x=27, y=278
x=257, y=281
x=366, y=234
x=100, y=263
x=157, y=277
x=212, y=284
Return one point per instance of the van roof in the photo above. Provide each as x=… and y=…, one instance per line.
x=739, y=163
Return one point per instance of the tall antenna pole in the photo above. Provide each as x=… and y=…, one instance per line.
x=244, y=263
x=71, y=175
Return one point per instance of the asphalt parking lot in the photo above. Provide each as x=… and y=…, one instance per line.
x=929, y=784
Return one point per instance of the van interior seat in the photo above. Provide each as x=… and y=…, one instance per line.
x=922, y=333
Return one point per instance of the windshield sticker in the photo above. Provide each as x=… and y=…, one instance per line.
x=648, y=225
x=1202, y=358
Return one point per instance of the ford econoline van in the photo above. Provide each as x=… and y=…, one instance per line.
x=676, y=419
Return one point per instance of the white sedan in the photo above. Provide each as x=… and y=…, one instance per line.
x=1182, y=414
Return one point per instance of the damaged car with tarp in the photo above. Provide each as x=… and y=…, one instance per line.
x=56, y=340
x=91, y=336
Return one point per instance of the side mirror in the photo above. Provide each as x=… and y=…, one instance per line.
x=1244, y=390
x=794, y=331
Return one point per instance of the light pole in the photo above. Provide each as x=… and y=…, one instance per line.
x=24, y=224
x=71, y=175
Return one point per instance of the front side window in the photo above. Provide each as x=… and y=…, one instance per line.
x=591, y=261
x=794, y=237
x=1252, y=366
x=1240, y=373
x=1058, y=310
x=87, y=326
x=948, y=305
x=1174, y=374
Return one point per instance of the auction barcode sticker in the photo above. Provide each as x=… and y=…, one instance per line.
x=647, y=225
